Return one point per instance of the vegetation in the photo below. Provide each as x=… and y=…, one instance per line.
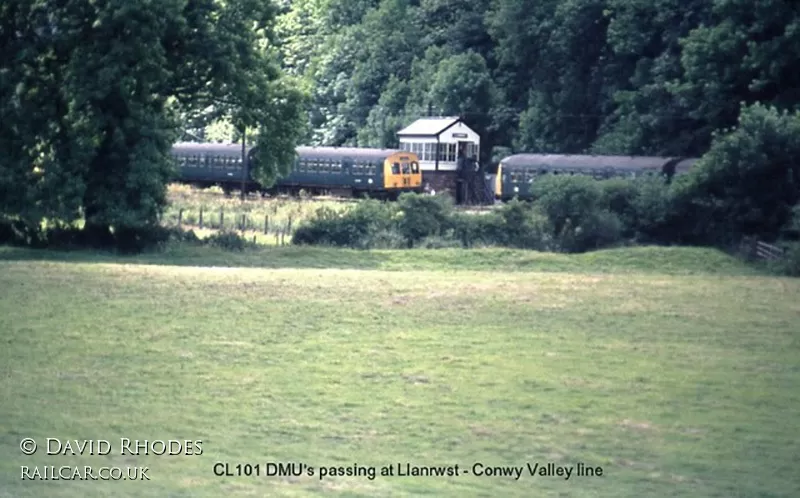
x=93, y=95
x=553, y=76
x=265, y=217
x=485, y=362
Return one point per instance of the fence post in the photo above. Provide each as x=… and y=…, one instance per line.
x=266, y=223
x=180, y=217
x=289, y=225
x=244, y=221
x=201, y=216
x=221, y=219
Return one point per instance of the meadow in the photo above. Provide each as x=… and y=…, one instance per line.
x=673, y=369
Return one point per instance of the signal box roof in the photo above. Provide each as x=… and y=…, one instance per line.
x=429, y=127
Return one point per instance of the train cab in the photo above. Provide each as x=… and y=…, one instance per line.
x=401, y=172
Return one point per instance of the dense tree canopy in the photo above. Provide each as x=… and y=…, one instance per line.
x=609, y=76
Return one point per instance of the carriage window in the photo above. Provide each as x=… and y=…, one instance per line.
x=396, y=169
x=415, y=167
x=406, y=169
x=336, y=167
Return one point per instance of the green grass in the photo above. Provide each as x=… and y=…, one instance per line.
x=676, y=370
x=661, y=260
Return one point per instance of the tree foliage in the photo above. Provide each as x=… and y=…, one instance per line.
x=94, y=93
x=642, y=77
x=749, y=181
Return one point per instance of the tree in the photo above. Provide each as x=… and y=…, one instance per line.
x=747, y=53
x=94, y=92
x=749, y=181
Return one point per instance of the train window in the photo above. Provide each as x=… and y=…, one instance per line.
x=396, y=168
x=415, y=167
x=406, y=169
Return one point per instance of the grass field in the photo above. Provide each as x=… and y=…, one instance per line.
x=675, y=370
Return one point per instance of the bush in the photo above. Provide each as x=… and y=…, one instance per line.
x=357, y=228
x=562, y=198
x=620, y=196
x=478, y=229
x=228, y=240
x=525, y=227
x=595, y=231
x=423, y=216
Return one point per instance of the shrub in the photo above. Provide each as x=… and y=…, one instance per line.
x=595, y=231
x=562, y=198
x=423, y=216
x=620, y=196
x=356, y=228
x=478, y=229
x=525, y=227
x=228, y=240
x=653, y=211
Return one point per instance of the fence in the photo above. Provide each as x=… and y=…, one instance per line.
x=756, y=249
x=281, y=228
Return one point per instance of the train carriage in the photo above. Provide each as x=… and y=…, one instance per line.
x=373, y=172
x=516, y=174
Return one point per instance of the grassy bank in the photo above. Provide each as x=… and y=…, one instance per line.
x=658, y=260
x=672, y=369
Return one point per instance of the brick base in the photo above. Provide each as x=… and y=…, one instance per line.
x=440, y=181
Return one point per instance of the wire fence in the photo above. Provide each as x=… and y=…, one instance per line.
x=265, y=228
x=754, y=249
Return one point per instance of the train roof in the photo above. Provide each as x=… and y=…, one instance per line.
x=303, y=151
x=353, y=152
x=568, y=161
x=213, y=148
